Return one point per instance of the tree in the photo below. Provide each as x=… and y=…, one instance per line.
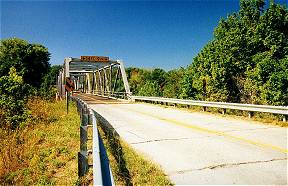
x=159, y=76
x=48, y=89
x=246, y=60
x=150, y=89
x=13, y=96
x=30, y=60
x=187, y=90
x=172, y=86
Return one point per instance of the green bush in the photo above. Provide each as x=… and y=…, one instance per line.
x=13, y=97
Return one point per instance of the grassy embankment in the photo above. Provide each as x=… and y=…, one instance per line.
x=127, y=165
x=45, y=151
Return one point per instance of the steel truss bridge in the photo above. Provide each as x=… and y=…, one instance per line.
x=102, y=78
x=191, y=147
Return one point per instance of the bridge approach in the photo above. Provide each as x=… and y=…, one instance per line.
x=191, y=147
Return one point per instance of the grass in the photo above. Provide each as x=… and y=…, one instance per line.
x=127, y=165
x=262, y=118
x=44, y=152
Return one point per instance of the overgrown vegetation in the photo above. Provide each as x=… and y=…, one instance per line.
x=24, y=71
x=45, y=151
x=246, y=62
x=48, y=89
x=39, y=141
x=30, y=60
x=14, y=93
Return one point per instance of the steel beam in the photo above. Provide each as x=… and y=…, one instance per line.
x=124, y=78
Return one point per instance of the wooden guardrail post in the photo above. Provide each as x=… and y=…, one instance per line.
x=250, y=114
x=102, y=174
x=83, y=154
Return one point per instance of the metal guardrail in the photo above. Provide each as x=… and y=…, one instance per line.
x=113, y=95
x=102, y=174
x=235, y=106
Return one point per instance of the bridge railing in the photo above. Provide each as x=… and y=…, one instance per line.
x=102, y=174
x=109, y=94
x=283, y=110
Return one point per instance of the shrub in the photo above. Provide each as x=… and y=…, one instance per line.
x=13, y=97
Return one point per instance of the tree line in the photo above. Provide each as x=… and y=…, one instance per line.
x=25, y=71
x=245, y=62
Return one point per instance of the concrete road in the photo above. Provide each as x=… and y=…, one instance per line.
x=199, y=148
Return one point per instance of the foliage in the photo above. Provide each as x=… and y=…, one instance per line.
x=22, y=68
x=150, y=88
x=155, y=82
x=247, y=59
x=13, y=96
x=145, y=82
x=173, y=83
x=187, y=91
x=31, y=60
x=48, y=89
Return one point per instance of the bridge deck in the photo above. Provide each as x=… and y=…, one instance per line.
x=200, y=148
x=93, y=99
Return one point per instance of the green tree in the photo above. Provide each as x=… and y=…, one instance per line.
x=48, y=89
x=31, y=60
x=172, y=86
x=187, y=91
x=159, y=76
x=150, y=89
x=246, y=60
x=13, y=96
x=152, y=81
x=135, y=79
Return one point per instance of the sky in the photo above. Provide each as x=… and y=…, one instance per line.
x=146, y=34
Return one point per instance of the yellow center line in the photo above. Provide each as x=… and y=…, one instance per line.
x=206, y=130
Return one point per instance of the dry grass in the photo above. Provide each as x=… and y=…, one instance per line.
x=44, y=152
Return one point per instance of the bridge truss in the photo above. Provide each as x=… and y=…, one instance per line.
x=103, y=78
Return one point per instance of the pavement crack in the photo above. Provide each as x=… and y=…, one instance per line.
x=212, y=167
x=240, y=163
x=157, y=140
x=135, y=135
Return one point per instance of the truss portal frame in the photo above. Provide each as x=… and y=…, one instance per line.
x=100, y=78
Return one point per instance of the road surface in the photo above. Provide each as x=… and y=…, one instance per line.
x=200, y=148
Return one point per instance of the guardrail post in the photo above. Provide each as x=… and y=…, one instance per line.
x=247, y=108
x=224, y=111
x=83, y=155
x=82, y=164
x=250, y=114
